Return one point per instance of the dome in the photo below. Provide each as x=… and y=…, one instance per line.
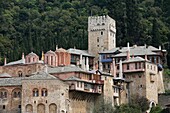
x=50, y=52
x=61, y=50
x=32, y=54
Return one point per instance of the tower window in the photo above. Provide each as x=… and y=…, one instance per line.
x=35, y=92
x=3, y=106
x=101, y=32
x=44, y=92
x=97, y=39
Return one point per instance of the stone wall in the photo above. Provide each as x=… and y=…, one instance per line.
x=22, y=69
x=56, y=100
x=11, y=103
x=82, y=102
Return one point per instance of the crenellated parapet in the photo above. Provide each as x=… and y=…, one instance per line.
x=99, y=23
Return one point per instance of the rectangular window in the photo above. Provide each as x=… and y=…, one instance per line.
x=127, y=66
x=139, y=65
x=3, y=106
x=77, y=84
x=19, y=106
x=97, y=39
x=101, y=32
x=108, y=66
x=104, y=67
x=136, y=66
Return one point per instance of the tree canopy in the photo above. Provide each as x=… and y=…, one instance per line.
x=39, y=25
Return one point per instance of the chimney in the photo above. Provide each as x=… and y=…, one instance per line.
x=120, y=69
x=159, y=47
x=128, y=55
x=145, y=46
x=42, y=56
x=56, y=47
x=128, y=45
x=23, y=56
x=5, y=61
x=113, y=68
x=87, y=63
x=128, y=51
x=146, y=57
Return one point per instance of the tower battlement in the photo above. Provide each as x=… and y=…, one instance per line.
x=96, y=23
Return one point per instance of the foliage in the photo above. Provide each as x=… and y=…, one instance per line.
x=156, y=109
x=125, y=108
x=138, y=104
x=140, y=101
x=103, y=107
x=39, y=25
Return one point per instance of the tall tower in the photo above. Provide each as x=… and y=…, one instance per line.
x=101, y=34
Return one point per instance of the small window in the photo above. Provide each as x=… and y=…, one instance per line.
x=108, y=66
x=104, y=66
x=77, y=84
x=81, y=84
x=5, y=94
x=117, y=67
x=19, y=106
x=139, y=65
x=101, y=32
x=44, y=92
x=97, y=39
x=35, y=93
x=15, y=94
x=3, y=106
x=135, y=65
x=20, y=73
x=97, y=45
x=127, y=66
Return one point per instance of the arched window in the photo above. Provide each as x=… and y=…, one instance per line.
x=16, y=93
x=44, y=92
x=19, y=94
x=20, y=73
x=35, y=92
x=3, y=93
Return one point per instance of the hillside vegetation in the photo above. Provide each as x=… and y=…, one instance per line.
x=39, y=25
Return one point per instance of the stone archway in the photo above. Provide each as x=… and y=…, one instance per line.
x=41, y=108
x=29, y=108
x=52, y=108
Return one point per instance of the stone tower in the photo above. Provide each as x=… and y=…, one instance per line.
x=101, y=34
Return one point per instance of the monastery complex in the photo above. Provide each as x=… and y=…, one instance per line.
x=74, y=81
